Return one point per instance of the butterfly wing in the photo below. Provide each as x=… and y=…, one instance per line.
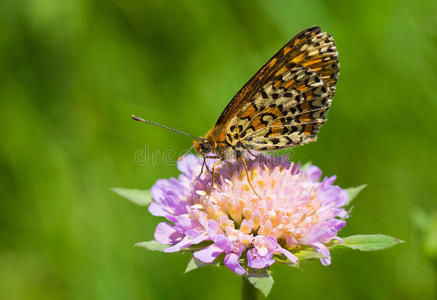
x=285, y=102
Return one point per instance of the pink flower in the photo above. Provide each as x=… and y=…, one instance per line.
x=294, y=210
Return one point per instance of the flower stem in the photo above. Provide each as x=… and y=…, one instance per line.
x=248, y=291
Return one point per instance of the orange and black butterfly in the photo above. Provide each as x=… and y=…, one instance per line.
x=283, y=105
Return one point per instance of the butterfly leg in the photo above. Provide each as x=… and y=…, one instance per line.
x=211, y=157
x=251, y=153
x=248, y=178
x=212, y=175
x=203, y=165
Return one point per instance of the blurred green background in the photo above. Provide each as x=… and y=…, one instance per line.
x=72, y=73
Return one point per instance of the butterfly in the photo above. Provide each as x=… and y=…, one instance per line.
x=282, y=106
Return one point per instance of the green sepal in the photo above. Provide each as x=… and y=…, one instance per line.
x=368, y=242
x=308, y=254
x=139, y=197
x=261, y=279
x=305, y=166
x=194, y=264
x=152, y=246
x=352, y=192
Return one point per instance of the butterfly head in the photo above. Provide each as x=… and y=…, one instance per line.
x=202, y=146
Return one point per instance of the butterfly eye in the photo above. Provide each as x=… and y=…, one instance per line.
x=205, y=147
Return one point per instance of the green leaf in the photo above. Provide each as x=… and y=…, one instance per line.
x=140, y=197
x=307, y=254
x=306, y=166
x=369, y=242
x=261, y=280
x=352, y=192
x=152, y=246
x=194, y=264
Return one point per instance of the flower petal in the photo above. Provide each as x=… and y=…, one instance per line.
x=291, y=241
x=208, y=254
x=186, y=242
x=322, y=249
x=231, y=261
x=313, y=172
x=157, y=210
x=166, y=234
x=189, y=164
x=256, y=261
x=223, y=243
x=291, y=257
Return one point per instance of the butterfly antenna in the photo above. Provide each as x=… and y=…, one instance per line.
x=162, y=126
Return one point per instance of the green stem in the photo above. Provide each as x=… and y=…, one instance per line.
x=248, y=291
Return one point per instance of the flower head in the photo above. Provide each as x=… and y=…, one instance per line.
x=294, y=210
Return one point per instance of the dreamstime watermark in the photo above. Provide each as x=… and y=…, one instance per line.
x=145, y=156
x=169, y=157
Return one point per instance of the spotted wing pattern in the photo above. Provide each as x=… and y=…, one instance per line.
x=285, y=103
x=282, y=117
